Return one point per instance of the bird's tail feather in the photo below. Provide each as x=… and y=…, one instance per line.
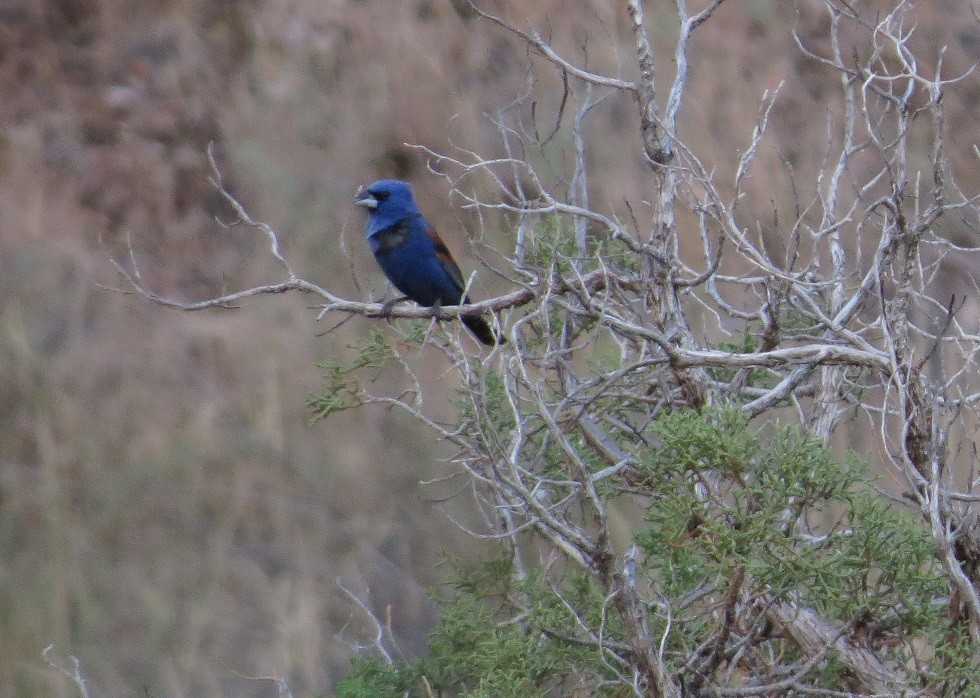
x=481, y=328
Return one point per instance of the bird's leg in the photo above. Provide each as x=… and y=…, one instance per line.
x=388, y=305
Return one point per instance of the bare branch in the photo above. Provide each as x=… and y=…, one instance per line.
x=75, y=674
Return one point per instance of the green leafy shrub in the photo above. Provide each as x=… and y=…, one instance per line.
x=737, y=519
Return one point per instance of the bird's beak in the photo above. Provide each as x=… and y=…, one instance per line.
x=365, y=198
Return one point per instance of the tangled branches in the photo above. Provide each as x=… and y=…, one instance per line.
x=619, y=326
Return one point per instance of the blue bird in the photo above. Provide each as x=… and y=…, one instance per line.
x=412, y=255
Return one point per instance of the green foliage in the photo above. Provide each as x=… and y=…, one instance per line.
x=954, y=667
x=767, y=510
x=748, y=343
x=617, y=254
x=549, y=246
x=341, y=388
x=374, y=678
x=788, y=520
x=496, y=415
x=417, y=331
x=481, y=650
x=472, y=649
x=792, y=323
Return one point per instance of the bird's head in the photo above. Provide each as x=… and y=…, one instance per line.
x=389, y=202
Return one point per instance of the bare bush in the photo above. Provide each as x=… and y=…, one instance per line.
x=616, y=328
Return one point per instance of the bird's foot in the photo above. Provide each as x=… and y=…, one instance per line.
x=387, y=306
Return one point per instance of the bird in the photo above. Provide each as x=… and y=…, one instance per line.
x=413, y=256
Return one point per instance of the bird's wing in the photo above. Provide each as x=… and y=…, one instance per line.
x=390, y=238
x=445, y=258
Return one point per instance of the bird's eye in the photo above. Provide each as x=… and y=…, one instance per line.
x=382, y=195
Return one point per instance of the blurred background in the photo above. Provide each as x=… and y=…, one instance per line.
x=168, y=514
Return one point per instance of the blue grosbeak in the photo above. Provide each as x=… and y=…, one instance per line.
x=412, y=255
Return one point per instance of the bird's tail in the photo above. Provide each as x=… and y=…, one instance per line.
x=481, y=328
